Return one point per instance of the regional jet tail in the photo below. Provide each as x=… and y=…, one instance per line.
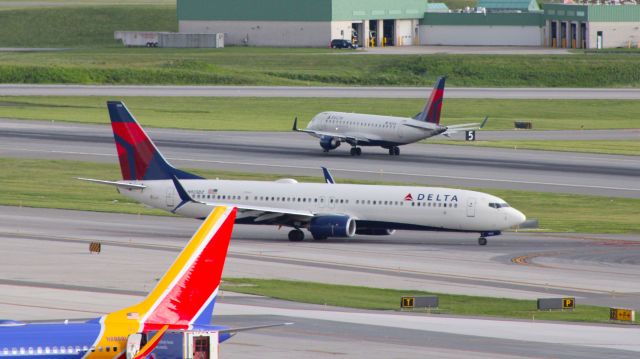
x=358, y=130
x=180, y=304
x=326, y=210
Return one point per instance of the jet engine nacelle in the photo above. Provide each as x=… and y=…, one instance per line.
x=332, y=226
x=329, y=143
x=375, y=231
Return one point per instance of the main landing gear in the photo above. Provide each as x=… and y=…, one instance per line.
x=296, y=235
x=482, y=241
x=394, y=151
x=356, y=151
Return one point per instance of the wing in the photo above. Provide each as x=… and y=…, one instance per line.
x=341, y=136
x=255, y=214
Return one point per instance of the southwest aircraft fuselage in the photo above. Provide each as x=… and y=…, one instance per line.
x=371, y=206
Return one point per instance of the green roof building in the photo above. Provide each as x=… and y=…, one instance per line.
x=303, y=22
x=509, y=5
x=314, y=23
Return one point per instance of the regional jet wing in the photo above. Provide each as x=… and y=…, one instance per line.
x=340, y=136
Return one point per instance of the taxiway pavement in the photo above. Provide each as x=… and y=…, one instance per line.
x=299, y=154
x=47, y=273
x=327, y=92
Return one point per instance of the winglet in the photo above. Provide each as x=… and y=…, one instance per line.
x=184, y=195
x=295, y=124
x=327, y=176
x=484, y=121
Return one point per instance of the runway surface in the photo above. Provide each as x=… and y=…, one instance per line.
x=328, y=92
x=299, y=154
x=47, y=273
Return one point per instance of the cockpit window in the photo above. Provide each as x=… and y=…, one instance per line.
x=498, y=205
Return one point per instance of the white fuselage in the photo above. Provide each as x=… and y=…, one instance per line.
x=397, y=206
x=378, y=129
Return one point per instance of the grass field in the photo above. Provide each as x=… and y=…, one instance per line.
x=276, y=114
x=389, y=299
x=260, y=66
x=86, y=26
x=52, y=184
x=95, y=58
x=621, y=147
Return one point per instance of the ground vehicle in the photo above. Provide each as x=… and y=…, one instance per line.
x=342, y=44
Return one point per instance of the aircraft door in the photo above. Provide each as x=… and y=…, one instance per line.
x=201, y=347
x=171, y=201
x=471, y=207
x=134, y=342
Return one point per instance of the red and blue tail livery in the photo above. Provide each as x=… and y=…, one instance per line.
x=433, y=107
x=182, y=301
x=139, y=157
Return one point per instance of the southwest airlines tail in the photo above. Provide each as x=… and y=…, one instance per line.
x=139, y=157
x=431, y=111
x=184, y=297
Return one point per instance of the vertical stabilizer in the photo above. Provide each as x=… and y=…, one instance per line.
x=139, y=158
x=431, y=111
x=185, y=296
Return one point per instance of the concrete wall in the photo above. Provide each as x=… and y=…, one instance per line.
x=267, y=33
x=614, y=34
x=481, y=35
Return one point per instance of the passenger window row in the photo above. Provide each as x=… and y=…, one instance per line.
x=54, y=350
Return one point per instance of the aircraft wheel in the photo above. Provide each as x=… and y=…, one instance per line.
x=353, y=151
x=391, y=152
x=396, y=151
x=296, y=235
x=358, y=151
x=482, y=241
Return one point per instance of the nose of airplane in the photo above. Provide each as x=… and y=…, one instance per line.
x=516, y=217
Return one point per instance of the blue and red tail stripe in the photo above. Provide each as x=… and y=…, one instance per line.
x=433, y=107
x=139, y=158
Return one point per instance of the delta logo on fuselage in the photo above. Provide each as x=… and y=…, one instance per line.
x=432, y=197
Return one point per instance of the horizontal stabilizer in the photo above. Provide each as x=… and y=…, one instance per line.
x=233, y=331
x=114, y=183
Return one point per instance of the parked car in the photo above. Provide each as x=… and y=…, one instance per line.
x=342, y=44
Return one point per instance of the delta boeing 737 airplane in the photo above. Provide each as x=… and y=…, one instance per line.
x=358, y=130
x=181, y=303
x=325, y=209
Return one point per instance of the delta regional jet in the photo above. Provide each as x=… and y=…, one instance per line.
x=182, y=302
x=324, y=209
x=358, y=130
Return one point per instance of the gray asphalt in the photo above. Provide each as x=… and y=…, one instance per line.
x=330, y=92
x=59, y=279
x=300, y=154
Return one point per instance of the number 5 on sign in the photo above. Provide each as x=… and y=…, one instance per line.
x=470, y=135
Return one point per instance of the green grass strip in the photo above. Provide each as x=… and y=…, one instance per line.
x=620, y=147
x=276, y=114
x=52, y=184
x=389, y=299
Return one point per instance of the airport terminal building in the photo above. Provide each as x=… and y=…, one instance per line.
x=314, y=23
